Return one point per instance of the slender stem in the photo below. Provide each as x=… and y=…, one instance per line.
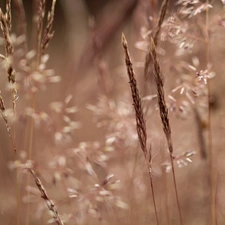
x=17, y=194
x=165, y=196
x=140, y=121
x=41, y=13
x=216, y=200
x=51, y=206
x=163, y=110
x=153, y=195
x=30, y=152
x=176, y=191
x=166, y=199
x=209, y=123
x=132, y=191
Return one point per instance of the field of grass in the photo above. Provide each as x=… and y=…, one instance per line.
x=112, y=112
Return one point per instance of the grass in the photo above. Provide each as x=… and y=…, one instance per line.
x=124, y=135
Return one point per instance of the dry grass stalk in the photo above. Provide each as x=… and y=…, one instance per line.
x=141, y=126
x=5, y=22
x=40, y=21
x=8, y=15
x=160, y=91
x=6, y=35
x=164, y=114
x=2, y=109
x=48, y=201
x=148, y=68
x=140, y=121
x=48, y=33
x=210, y=144
x=162, y=15
x=151, y=181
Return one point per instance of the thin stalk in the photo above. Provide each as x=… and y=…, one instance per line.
x=41, y=15
x=149, y=163
x=6, y=25
x=132, y=190
x=153, y=5
x=216, y=200
x=148, y=67
x=164, y=115
x=165, y=196
x=17, y=195
x=42, y=44
x=51, y=206
x=140, y=121
x=213, y=217
x=160, y=21
x=176, y=191
x=30, y=147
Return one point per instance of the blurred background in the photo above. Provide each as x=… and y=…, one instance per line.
x=77, y=132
